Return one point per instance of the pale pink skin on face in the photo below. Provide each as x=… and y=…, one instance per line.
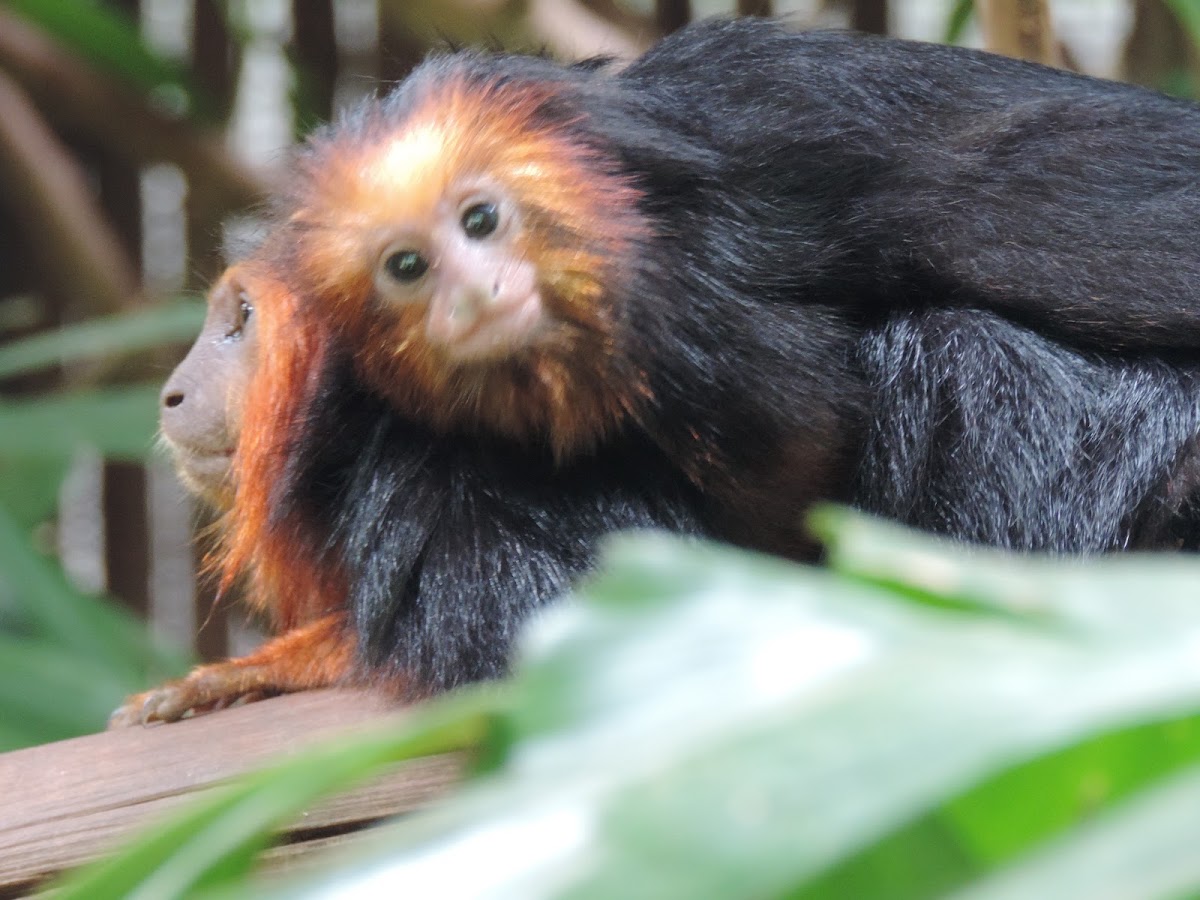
x=507, y=327
x=479, y=292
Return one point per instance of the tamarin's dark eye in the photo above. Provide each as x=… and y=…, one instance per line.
x=480, y=220
x=406, y=265
x=245, y=310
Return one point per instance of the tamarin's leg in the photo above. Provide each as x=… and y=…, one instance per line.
x=320, y=654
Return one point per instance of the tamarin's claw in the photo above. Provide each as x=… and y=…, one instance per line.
x=319, y=654
x=205, y=690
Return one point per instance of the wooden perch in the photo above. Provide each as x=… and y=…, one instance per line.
x=69, y=802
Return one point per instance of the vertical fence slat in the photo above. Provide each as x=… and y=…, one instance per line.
x=754, y=7
x=399, y=51
x=1157, y=49
x=214, y=65
x=314, y=43
x=126, y=536
x=126, y=530
x=870, y=16
x=671, y=15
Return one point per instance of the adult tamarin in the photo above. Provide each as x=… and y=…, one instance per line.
x=384, y=555
x=981, y=429
x=215, y=395
x=690, y=249
x=574, y=275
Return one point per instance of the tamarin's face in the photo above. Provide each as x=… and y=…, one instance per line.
x=473, y=253
x=203, y=399
x=461, y=276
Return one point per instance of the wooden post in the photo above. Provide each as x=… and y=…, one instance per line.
x=671, y=15
x=69, y=802
x=870, y=16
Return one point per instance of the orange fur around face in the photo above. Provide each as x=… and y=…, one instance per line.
x=263, y=383
x=570, y=218
x=287, y=576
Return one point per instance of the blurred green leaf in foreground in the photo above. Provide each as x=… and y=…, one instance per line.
x=916, y=721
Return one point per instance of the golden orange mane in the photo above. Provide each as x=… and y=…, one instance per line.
x=285, y=573
x=579, y=223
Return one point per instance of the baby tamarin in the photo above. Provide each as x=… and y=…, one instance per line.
x=690, y=249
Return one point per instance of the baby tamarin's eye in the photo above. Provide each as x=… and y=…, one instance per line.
x=406, y=266
x=480, y=220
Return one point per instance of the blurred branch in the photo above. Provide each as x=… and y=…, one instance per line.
x=216, y=58
x=314, y=50
x=1020, y=28
x=78, y=253
x=870, y=16
x=637, y=26
x=575, y=32
x=1158, y=53
x=84, y=98
x=462, y=22
x=566, y=27
x=216, y=62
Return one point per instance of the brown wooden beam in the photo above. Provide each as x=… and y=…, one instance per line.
x=68, y=802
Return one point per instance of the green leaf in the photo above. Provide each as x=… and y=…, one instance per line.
x=215, y=842
x=749, y=736
x=706, y=723
x=1188, y=14
x=1022, y=806
x=1010, y=812
x=29, y=488
x=1105, y=594
x=49, y=692
x=956, y=23
x=1146, y=848
x=168, y=324
x=111, y=41
x=118, y=422
x=96, y=630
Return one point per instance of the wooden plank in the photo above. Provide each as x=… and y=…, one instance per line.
x=68, y=802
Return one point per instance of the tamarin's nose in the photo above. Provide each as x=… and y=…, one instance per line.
x=459, y=310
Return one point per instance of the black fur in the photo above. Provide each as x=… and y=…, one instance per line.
x=959, y=290
x=451, y=543
x=803, y=187
x=988, y=432
x=943, y=174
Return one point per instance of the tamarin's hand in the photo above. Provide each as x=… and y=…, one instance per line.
x=317, y=655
